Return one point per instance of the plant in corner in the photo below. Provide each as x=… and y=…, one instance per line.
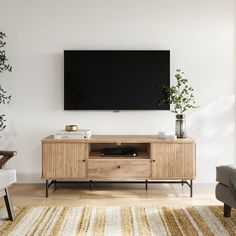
x=182, y=98
x=4, y=66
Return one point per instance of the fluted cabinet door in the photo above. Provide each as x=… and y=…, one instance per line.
x=64, y=160
x=173, y=160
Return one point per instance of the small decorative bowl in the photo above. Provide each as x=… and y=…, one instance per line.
x=71, y=128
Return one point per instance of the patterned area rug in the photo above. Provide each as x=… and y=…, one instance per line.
x=143, y=221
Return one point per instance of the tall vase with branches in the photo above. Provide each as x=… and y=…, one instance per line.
x=5, y=98
x=181, y=97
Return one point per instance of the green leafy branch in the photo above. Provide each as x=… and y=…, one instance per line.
x=4, y=98
x=2, y=122
x=180, y=95
x=4, y=66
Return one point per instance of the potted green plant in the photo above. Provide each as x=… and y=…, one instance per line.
x=4, y=66
x=181, y=97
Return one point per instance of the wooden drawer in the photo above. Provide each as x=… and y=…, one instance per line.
x=118, y=169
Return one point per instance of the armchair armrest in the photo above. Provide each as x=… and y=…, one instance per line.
x=5, y=156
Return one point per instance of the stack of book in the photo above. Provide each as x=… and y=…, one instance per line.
x=79, y=134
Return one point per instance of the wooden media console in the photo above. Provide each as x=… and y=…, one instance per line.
x=157, y=160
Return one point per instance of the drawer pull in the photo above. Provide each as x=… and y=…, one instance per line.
x=153, y=160
x=118, y=167
x=83, y=160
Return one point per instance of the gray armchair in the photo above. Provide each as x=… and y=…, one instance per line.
x=224, y=191
x=7, y=178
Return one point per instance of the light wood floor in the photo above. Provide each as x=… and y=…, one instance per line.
x=112, y=194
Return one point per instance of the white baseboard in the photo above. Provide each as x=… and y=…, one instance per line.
x=29, y=178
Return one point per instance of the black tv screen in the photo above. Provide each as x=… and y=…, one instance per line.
x=115, y=80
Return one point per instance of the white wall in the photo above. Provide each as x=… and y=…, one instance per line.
x=200, y=35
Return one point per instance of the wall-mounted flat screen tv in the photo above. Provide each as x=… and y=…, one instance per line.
x=115, y=80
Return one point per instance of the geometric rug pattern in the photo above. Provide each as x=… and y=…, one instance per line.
x=112, y=221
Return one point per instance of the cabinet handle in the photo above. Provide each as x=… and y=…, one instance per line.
x=118, y=167
x=153, y=160
x=83, y=160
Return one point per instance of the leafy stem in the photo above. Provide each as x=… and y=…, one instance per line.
x=4, y=66
x=179, y=95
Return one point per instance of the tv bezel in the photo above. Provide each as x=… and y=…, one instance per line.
x=167, y=106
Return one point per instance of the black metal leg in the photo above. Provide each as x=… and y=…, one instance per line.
x=9, y=207
x=46, y=188
x=191, y=188
x=227, y=210
x=146, y=184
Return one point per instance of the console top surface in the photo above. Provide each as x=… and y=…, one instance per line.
x=121, y=139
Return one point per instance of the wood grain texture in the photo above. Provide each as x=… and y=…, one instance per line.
x=119, y=139
x=112, y=195
x=173, y=160
x=111, y=169
x=5, y=156
x=64, y=160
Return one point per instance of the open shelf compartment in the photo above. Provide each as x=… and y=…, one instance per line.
x=142, y=149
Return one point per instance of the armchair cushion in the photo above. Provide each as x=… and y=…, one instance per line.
x=7, y=177
x=225, y=173
x=224, y=195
